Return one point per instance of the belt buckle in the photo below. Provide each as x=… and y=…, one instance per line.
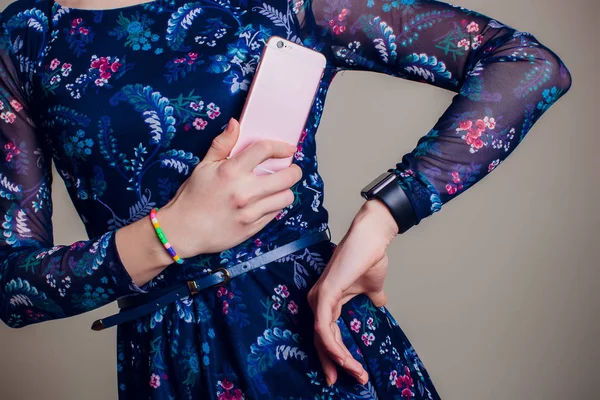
x=225, y=272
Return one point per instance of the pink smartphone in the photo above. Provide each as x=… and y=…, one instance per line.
x=280, y=98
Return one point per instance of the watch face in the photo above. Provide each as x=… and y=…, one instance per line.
x=377, y=183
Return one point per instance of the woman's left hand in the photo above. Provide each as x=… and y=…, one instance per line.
x=358, y=265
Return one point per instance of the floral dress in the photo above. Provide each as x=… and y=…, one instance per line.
x=126, y=102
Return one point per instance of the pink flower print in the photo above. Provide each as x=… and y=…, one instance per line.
x=200, y=124
x=8, y=117
x=105, y=67
x=368, y=338
x=393, y=377
x=473, y=27
x=490, y=123
x=225, y=384
x=222, y=291
x=213, y=111
x=355, y=325
x=281, y=214
x=293, y=307
x=480, y=125
x=76, y=22
x=155, y=381
x=464, y=125
x=66, y=69
x=1, y=105
x=297, y=5
x=477, y=42
x=192, y=58
x=450, y=189
x=179, y=60
x=493, y=165
x=225, y=307
x=339, y=29
x=54, y=64
x=302, y=136
x=84, y=31
x=464, y=43
x=197, y=106
x=11, y=151
x=282, y=290
x=16, y=105
x=257, y=242
x=405, y=382
x=276, y=302
x=230, y=295
x=455, y=177
x=370, y=323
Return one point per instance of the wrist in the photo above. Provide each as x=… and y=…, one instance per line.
x=378, y=212
x=140, y=251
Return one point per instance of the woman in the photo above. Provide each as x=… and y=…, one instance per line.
x=130, y=101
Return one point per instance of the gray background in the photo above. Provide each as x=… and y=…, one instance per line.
x=498, y=292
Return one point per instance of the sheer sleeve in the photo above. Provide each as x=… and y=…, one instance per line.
x=505, y=80
x=39, y=280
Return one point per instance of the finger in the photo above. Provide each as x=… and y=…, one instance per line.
x=362, y=375
x=329, y=368
x=264, y=220
x=222, y=145
x=379, y=298
x=262, y=150
x=273, y=203
x=325, y=333
x=285, y=178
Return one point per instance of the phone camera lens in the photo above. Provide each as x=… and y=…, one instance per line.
x=280, y=44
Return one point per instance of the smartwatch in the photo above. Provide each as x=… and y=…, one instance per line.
x=386, y=188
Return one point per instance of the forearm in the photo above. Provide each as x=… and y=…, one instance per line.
x=140, y=250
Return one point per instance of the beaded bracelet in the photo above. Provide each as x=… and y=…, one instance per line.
x=163, y=238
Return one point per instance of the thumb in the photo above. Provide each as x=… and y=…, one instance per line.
x=378, y=298
x=221, y=145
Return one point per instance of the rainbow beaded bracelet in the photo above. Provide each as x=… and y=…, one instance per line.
x=163, y=238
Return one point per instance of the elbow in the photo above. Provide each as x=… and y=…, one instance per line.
x=562, y=78
x=559, y=77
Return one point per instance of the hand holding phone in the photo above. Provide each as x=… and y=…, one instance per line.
x=280, y=98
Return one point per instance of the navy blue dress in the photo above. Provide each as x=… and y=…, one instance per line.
x=126, y=103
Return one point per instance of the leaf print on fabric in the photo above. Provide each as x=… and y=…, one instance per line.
x=155, y=109
x=109, y=147
x=9, y=190
x=179, y=23
x=20, y=293
x=428, y=67
x=32, y=18
x=180, y=160
x=533, y=80
x=66, y=116
x=279, y=19
x=420, y=22
x=274, y=345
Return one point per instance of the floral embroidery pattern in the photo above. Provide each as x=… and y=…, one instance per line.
x=126, y=120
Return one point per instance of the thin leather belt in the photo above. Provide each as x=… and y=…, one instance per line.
x=136, y=306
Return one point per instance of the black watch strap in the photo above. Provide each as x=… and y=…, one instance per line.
x=393, y=196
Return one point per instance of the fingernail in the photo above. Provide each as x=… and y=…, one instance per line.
x=229, y=125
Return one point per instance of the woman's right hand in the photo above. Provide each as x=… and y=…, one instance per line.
x=224, y=202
